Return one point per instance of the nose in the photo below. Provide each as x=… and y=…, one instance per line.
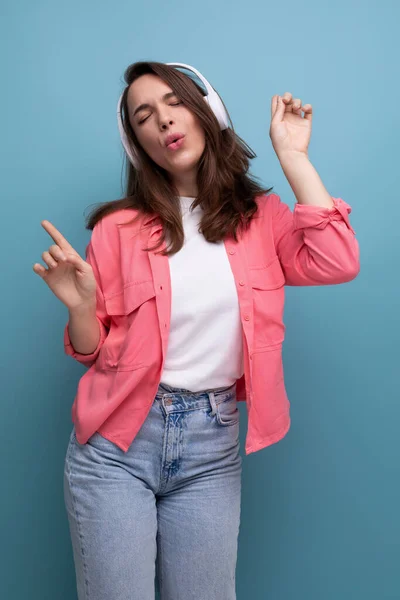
x=165, y=123
x=164, y=117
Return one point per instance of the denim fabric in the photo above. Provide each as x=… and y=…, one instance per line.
x=166, y=513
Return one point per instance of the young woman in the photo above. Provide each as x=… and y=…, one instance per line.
x=177, y=313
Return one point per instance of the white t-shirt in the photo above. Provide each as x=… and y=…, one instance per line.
x=205, y=348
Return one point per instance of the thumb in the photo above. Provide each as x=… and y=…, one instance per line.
x=76, y=261
x=280, y=111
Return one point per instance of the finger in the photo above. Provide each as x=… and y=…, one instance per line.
x=39, y=270
x=308, y=112
x=56, y=235
x=296, y=106
x=280, y=111
x=274, y=105
x=77, y=261
x=288, y=104
x=49, y=260
x=287, y=100
x=57, y=253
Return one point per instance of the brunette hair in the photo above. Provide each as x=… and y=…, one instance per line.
x=226, y=191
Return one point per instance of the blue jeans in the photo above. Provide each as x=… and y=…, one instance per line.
x=166, y=512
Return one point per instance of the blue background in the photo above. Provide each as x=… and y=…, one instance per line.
x=320, y=510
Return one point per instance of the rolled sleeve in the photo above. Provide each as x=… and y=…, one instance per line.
x=86, y=359
x=305, y=215
x=315, y=245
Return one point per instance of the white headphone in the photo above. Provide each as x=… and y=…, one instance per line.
x=212, y=99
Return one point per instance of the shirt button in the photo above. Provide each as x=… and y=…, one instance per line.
x=241, y=282
x=246, y=317
x=231, y=252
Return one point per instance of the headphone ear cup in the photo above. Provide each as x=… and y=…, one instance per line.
x=216, y=105
x=132, y=154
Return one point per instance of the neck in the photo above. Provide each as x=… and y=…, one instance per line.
x=186, y=184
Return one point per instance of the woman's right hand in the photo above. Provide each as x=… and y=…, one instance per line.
x=70, y=279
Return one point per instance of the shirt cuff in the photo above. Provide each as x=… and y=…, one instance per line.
x=70, y=350
x=306, y=215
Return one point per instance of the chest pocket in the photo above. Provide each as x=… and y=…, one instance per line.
x=268, y=304
x=125, y=347
x=130, y=298
x=270, y=277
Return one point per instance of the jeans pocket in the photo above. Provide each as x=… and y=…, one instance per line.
x=72, y=435
x=101, y=443
x=227, y=412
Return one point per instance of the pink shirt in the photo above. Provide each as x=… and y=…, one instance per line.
x=310, y=246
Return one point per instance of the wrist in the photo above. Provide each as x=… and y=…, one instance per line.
x=86, y=308
x=292, y=157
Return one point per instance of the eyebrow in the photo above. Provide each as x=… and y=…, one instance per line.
x=143, y=106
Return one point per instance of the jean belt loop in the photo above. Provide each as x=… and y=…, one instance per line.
x=212, y=402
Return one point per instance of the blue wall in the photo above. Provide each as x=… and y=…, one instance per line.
x=320, y=511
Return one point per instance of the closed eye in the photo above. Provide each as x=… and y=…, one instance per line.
x=143, y=120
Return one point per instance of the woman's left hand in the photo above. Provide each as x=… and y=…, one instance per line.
x=289, y=131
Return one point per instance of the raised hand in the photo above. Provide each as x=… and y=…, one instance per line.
x=68, y=276
x=289, y=131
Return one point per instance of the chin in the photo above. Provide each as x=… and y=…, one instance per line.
x=185, y=165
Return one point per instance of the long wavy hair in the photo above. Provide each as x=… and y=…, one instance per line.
x=226, y=191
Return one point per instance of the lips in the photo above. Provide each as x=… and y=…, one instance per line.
x=172, y=137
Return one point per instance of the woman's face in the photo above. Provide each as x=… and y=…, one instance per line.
x=160, y=117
